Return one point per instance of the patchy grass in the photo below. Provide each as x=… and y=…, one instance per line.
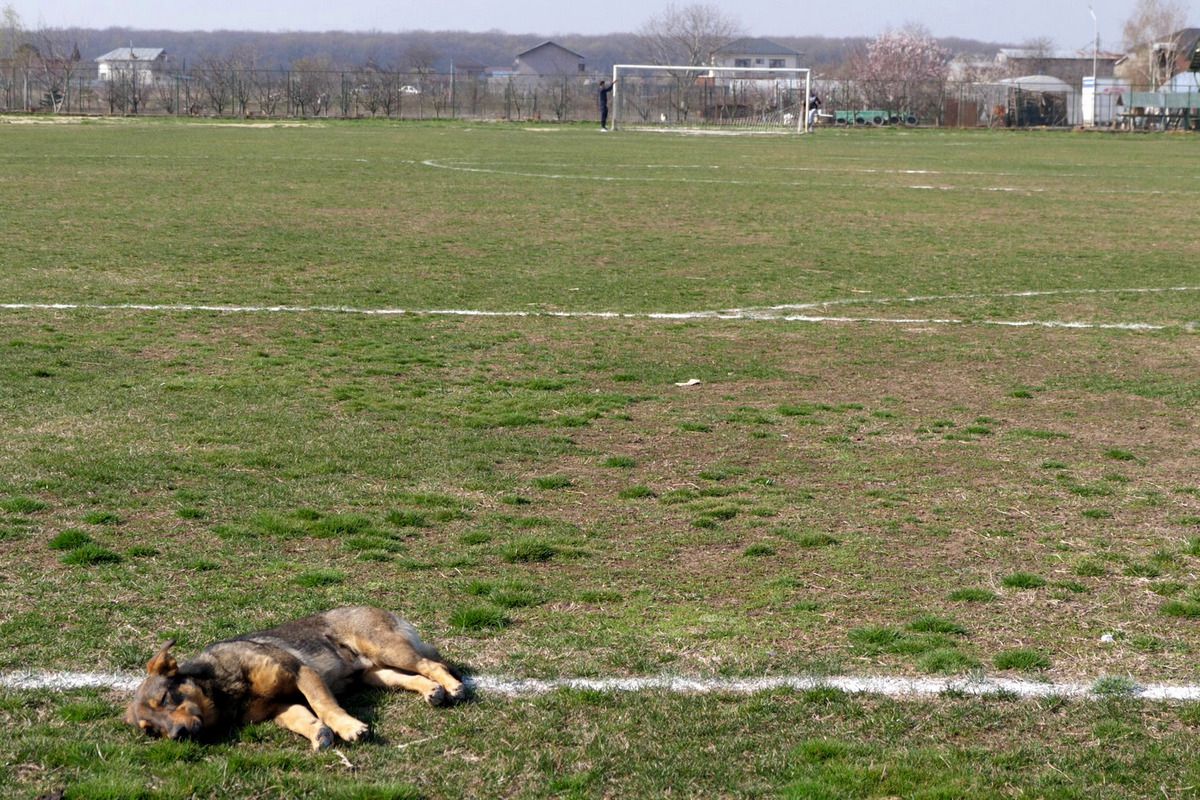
x=896, y=472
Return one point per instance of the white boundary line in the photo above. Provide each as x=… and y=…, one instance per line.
x=777, y=313
x=897, y=687
x=492, y=168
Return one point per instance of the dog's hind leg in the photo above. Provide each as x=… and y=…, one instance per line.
x=395, y=649
x=326, y=706
x=386, y=678
x=299, y=719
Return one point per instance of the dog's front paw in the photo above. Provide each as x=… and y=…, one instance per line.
x=324, y=739
x=353, y=730
x=436, y=696
x=458, y=693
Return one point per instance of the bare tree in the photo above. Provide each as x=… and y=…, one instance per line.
x=686, y=35
x=60, y=64
x=268, y=89
x=310, y=86
x=12, y=38
x=216, y=81
x=903, y=72
x=1150, y=35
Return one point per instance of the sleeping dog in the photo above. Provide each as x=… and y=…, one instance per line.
x=291, y=674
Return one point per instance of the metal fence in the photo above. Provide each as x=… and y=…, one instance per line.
x=358, y=93
x=301, y=93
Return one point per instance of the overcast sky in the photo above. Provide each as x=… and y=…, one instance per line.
x=1067, y=22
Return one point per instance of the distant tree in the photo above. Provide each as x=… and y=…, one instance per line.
x=310, y=86
x=61, y=64
x=216, y=78
x=1038, y=47
x=12, y=37
x=12, y=32
x=1149, y=35
x=686, y=35
x=903, y=72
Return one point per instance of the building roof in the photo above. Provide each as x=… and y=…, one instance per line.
x=132, y=54
x=551, y=44
x=1038, y=83
x=758, y=47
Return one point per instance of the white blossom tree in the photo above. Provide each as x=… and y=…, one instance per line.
x=903, y=72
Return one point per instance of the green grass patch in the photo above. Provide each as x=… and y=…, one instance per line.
x=1023, y=580
x=973, y=595
x=22, y=505
x=90, y=554
x=474, y=619
x=316, y=578
x=1023, y=659
x=528, y=550
x=70, y=539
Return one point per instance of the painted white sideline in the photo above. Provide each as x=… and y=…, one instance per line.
x=771, y=313
x=898, y=687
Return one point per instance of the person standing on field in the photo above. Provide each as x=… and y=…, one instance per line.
x=814, y=106
x=602, y=94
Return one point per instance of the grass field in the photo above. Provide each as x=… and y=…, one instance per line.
x=986, y=467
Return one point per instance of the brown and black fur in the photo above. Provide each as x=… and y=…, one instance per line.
x=291, y=674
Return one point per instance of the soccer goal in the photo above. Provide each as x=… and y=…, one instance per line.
x=712, y=98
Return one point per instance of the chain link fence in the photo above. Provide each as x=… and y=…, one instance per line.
x=363, y=93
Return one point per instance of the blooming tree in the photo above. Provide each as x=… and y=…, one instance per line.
x=902, y=72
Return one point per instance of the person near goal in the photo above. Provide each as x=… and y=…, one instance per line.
x=602, y=93
x=814, y=105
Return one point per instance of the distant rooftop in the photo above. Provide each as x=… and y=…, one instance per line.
x=757, y=46
x=132, y=54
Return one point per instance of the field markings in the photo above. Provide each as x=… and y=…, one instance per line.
x=783, y=313
x=524, y=170
x=504, y=686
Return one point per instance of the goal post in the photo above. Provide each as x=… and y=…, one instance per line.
x=750, y=98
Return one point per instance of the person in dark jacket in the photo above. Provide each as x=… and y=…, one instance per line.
x=602, y=93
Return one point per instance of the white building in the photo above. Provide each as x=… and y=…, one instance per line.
x=755, y=53
x=143, y=65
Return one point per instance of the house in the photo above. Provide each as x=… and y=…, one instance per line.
x=755, y=52
x=548, y=60
x=142, y=65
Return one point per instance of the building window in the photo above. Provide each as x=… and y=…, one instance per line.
x=778, y=63
x=758, y=61
x=741, y=62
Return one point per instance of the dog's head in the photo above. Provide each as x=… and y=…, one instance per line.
x=167, y=704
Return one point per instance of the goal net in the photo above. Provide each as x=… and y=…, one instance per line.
x=716, y=98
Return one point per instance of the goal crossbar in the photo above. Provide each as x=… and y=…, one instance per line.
x=744, y=73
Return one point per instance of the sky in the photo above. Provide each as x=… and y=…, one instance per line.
x=1067, y=22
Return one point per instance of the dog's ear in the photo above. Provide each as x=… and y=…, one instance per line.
x=163, y=663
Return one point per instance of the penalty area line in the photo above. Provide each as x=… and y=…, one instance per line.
x=881, y=685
